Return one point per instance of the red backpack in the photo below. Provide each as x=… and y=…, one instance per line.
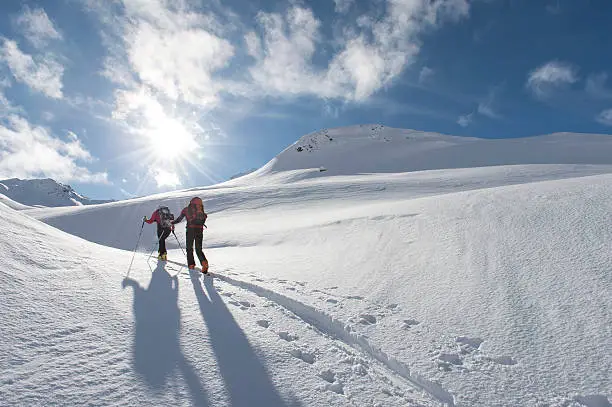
x=195, y=213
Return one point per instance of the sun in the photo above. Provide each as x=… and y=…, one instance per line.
x=170, y=138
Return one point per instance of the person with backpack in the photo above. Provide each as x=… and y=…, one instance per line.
x=196, y=219
x=163, y=217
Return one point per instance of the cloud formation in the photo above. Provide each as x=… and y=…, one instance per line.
x=605, y=117
x=28, y=151
x=465, y=120
x=187, y=55
x=36, y=27
x=41, y=73
x=487, y=106
x=551, y=76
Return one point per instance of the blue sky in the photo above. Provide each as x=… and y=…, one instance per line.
x=131, y=97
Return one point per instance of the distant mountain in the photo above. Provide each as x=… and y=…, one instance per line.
x=44, y=192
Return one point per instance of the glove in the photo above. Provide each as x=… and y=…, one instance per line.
x=144, y=218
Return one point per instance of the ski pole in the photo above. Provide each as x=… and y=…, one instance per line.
x=135, y=248
x=179, y=242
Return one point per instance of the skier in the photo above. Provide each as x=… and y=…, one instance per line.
x=163, y=217
x=196, y=217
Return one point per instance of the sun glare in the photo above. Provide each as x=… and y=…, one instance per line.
x=169, y=138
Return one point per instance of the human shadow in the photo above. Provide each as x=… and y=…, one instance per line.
x=157, y=354
x=246, y=378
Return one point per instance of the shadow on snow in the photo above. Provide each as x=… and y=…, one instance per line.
x=246, y=378
x=157, y=351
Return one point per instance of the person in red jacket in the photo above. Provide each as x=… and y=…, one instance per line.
x=196, y=219
x=163, y=217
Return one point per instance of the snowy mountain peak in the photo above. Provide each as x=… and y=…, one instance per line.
x=375, y=148
x=44, y=192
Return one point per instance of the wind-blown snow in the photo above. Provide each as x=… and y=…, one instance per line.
x=484, y=286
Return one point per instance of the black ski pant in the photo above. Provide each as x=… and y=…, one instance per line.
x=162, y=234
x=194, y=235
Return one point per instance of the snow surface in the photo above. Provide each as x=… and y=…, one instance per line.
x=486, y=286
x=44, y=192
x=12, y=204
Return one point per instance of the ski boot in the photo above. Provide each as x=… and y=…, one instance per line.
x=205, y=266
x=164, y=256
x=191, y=266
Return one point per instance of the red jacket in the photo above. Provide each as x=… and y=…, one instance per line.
x=154, y=217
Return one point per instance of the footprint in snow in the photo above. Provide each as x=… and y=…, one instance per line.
x=354, y=297
x=446, y=361
x=263, y=323
x=287, y=336
x=451, y=358
x=290, y=288
x=236, y=303
x=367, y=319
x=336, y=387
x=504, y=360
x=227, y=294
x=328, y=376
x=303, y=355
x=468, y=345
x=332, y=301
x=409, y=323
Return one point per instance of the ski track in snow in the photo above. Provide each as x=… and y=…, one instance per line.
x=339, y=330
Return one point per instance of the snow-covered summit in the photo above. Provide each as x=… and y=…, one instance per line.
x=44, y=192
x=375, y=148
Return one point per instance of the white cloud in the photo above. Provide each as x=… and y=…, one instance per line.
x=169, y=49
x=425, y=74
x=37, y=27
x=42, y=74
x=465, y=120
x=371, y=55
x=596, y=86
x=342, y=6
x=6, y=106
x=605, y=117
x=166, y=178
x=48, y=116
x=486, y=107
x=551, y=76
x=180, y=56
x=28, y=151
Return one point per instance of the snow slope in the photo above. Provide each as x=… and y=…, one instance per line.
x=12, y=204
x=43, y=192
x=482, y=286
x=376, y=148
